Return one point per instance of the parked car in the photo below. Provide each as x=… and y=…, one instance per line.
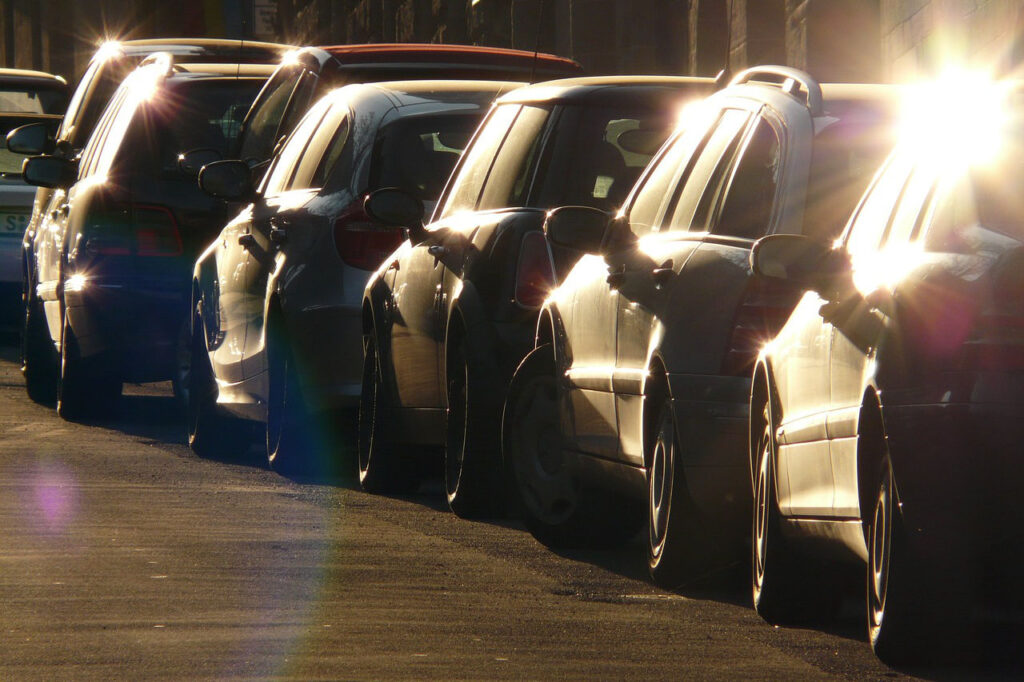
x=451, y=313
x=277, y=321
x=109, y=66
x=632, y=407
x=26, y=97
x=111, y=268
x=885, y=418
x=305, y=75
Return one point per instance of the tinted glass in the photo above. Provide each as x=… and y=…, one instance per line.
x=333, y=154
x=697, y=185
x=106, y=79
x=32, y=100
x=747, y=210
x=845, y=156
x=979, y=212
x=466, y=185
x=260, y=135
x=873, y=217
x=590, y=162
x=287, y=160
x=418, y=154
x=509, y=180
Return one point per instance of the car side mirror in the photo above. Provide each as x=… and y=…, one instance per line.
x=805, y=262
x=580, y=228
x=397, y=208
x=231, y=180
x=49, y=171
x=31, y=140
x=192, y=161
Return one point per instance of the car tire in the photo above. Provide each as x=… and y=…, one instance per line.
x=788, y=588
x=556, y=508
x=39, y=360
x=291, y=434
x=472, y=471
x=87, y=387
x=382, y=469
x=210, y=434
x=678, y=544
x=180, y=380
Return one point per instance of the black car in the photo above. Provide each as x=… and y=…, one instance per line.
x=112, y=269
x=451, y=313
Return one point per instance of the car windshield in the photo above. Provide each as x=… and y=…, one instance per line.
x=597, y=154
x=32, y=100
x=419, y=153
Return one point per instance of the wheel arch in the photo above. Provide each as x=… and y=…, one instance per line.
x=656, y=389
x=762, y=388
x=871, y=448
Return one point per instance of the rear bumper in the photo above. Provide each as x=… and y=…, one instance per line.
x=137, y=329
x=712, y=415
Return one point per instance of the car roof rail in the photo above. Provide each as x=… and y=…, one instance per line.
x=164, y=60
x=789, y=80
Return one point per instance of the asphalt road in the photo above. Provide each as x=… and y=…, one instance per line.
x=122, y=555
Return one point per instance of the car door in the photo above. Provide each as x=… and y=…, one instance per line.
x=284, y=193
x=879, y=247
x=414, y=341
x=651, y=276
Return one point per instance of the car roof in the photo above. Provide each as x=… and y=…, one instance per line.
x=196, y=49
x=27, y=76
x=222, y=70
x=595, y=88
x=426, y=55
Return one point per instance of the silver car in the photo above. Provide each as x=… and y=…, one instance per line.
x=277, y=327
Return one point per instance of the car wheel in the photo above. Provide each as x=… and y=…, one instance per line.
x=472, y=475
x=556, y=508
x=210, y=434
x=290, y=431
x=381, y=467
x=87, y=387
x=787, y=588
x=678, y=547
x=39, y=360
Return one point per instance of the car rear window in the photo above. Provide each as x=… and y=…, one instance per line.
x=28, y=100
x=419, y=153
x=191, y=115
x=593, y=158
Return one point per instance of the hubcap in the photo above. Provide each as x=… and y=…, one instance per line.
x=881, y=543
x=761, y=503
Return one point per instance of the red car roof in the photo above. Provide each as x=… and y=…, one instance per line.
x=460, y=54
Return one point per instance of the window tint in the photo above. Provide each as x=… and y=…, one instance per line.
x=652, y=198
x=108, y=77
x=301, y=99
x=875, y=212
x=419, y=153
x=71, y=115
x=280, y=175
x=466, y=185
x=509, y=180
x=261, y=130
x=910, y=208
x=328, y=131
x=716, y=154
x=751, y=196
x=978, y=213
x=333, y=153
x=594, y=157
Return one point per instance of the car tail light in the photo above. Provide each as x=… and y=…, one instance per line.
x=535, y=273
x=361, y=242
x=765, y=307
x=139, y=229
x=156, y=231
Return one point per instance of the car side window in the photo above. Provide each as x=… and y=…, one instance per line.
x=281, y=173
x=954, y=218
x=750, y=197
x=333, y=155
x=260, y=130
x=508, y=181
x=909, y=213
x=876, y=210
x=75, y=105
x=692, y=207
x=94, y=150
x=326, y=134
x=464, y=190
x=654, y=195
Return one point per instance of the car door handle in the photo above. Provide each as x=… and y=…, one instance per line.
x=663, y=273
x=616, y=277
x=246, y=241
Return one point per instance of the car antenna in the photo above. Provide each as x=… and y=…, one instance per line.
x=722, y=78
x=536, y=42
